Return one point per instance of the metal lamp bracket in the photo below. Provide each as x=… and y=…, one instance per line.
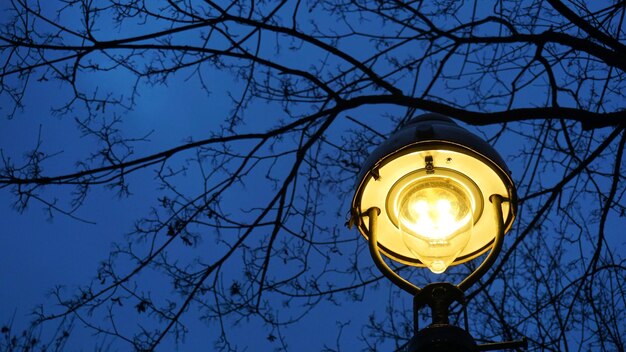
x=439, y=296
x=374, y=212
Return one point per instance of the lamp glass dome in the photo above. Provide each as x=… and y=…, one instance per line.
x=435, y=218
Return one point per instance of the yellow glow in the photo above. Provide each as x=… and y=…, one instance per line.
x=397, y=174
x=435, y=217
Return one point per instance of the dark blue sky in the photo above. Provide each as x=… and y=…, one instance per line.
x=39, y=251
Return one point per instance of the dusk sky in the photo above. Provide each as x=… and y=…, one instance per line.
x=268, y=251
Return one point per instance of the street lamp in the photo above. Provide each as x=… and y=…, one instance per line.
x=435, y=196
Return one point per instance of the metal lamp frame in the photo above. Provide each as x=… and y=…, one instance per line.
x=439, y=133
x=372, y=214
x=440, y=334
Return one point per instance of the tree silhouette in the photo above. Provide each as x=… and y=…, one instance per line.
x=248, y=220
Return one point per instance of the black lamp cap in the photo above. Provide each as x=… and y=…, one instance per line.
x=428, y=130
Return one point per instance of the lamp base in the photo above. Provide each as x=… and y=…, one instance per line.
x=442, y=337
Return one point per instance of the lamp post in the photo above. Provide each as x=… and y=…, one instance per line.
x=434, y=195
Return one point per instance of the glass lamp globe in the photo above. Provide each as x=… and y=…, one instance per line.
x=435, y=218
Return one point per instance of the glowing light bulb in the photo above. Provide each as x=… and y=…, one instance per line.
x=435, y=216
